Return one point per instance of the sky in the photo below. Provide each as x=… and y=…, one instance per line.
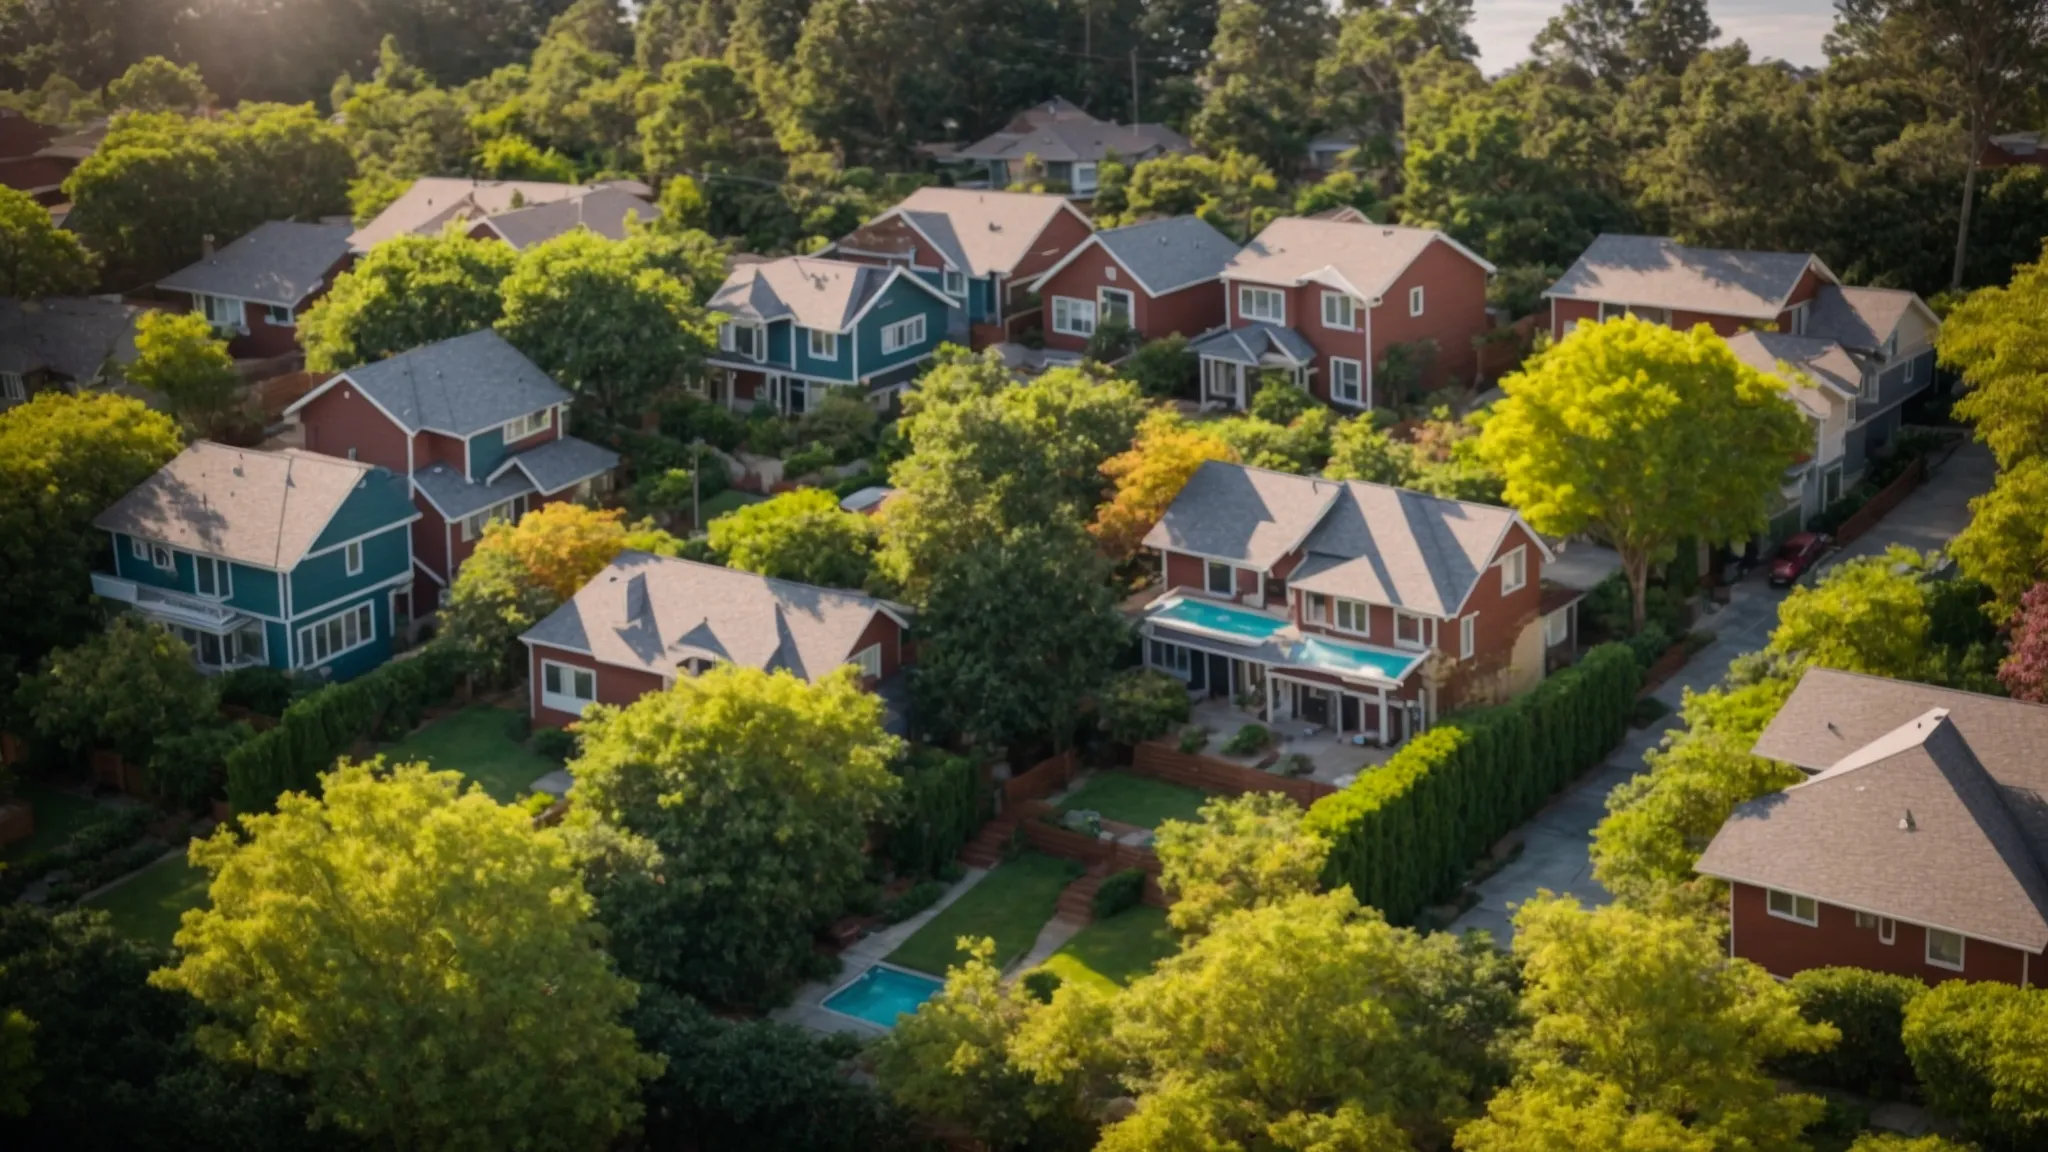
x=1789, y=30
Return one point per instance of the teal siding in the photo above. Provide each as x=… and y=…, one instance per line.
x=899, y=303
x=779, y=342
x=255, y=590
x=808, y=365
x=980, y=294
x=278, y=648
x=486, y=452
x=384, y=498
x=149, y=575
x=359, y=660
x=250, y=589
x=324, y=578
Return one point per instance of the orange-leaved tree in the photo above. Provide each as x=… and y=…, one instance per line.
x=1166, y=453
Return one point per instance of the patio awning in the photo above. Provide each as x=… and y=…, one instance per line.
x=1361, y=665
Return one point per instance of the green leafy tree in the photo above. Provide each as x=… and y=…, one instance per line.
x=126, y=688
x=1300, y=446
x=17, y=1061
x=408, y=292
x=496, y=599
x=2005, y=544
x=1261, y=76
x=701, y=116
x=1590, y=418
x=1867, y=615
x=1248, y=851
x=36, y=257
x=178, y=357
x=1975, y=1048
x=1992, y=338
x=1618, y=40
x=802, y=535
x=1236, y=192
x=1143, y=704
x=154, y=84
x=517, y=158
x=726, y=818
x=1162, y=368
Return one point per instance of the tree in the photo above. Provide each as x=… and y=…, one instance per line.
x=562, y=546
x=1248, y=851
x=1300, y=447
x=802, y=535
x=1867, y=615
x=1617, y=40
x=36, y=257
x=1165, y=456
x=1162, y=368
x=517, y=158
x=1358, y=87
x=408, y=292
x=1260, y=78
x=436, y=959
x=1645, y=1032
x=1236, y=193
x=601, y=318
x=17, y=1061
x=178, y=357
x=1643, y=436
x=125, y=688
x=2025, y=671
x=1141, y=704
x=732, y=809
x=1974, y=1048
x=154, y=84
x=2005, y=544
x=1992, y=338
x=700, y=117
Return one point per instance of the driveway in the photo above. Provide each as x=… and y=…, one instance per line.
x=1558, y=841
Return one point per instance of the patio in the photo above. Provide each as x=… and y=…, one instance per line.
x=1336, y=759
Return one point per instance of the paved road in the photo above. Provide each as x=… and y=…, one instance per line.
x=1556, y=843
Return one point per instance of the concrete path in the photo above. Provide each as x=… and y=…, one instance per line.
x=1558, y=841
x=807, y=1007
x=1051, y=939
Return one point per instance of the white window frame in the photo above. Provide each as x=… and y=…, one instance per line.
x=1209, y=578
x=225, y=313
x=279, y=316
x=869, y=661
x=902, y=334
x=1103, y=312
x=1557, y=628
x=1792, y=901
x=163, y=558
x=1339, y=366
x=1415, y=301
x=1887, y=930
x=1467, y=636
x=831, y=344
x=1910, y=362
x=531, y=424
x=352, y=558
x=1798, y=325
x=1249, y=292
x=1517, y=560
x=1421, y=641
x=1072, y=316
x=1088, y=169
x=222, y=573
x=138, y=548
x=1962, y=950
x=728, y=340
x=567, y=701
x=1173, y=659
x=954, y=283
x=1358, y=610
x=13, y=387
x=473, y=524
x=1348, y=321
x=333, y=633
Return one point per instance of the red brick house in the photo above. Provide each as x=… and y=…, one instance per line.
x=1357, y=607
x=1917, y=845
x=1660, y=279
x=646, y=620
x=255, y=289
x=479, y=429
x=1158, y=277
x=1326, y=299
x=35, y=159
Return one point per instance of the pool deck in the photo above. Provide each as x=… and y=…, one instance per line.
x=807, y=1009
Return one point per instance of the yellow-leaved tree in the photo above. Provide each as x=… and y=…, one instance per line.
x=1166, y=454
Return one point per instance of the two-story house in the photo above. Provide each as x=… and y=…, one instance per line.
x=980, y=248
x=1823, y=379
x=477, y=428
x=1067, y=146
x=518, y=212
x=1325, y=300
x=645, y=620
x=254, y=290
x=1158, y=278
x=1915, y=846
x=288, y=560
x=1360, y=607
x=1888, y=334
x=62, y=343
x=792, y=329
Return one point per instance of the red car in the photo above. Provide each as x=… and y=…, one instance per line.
x=1796, y=555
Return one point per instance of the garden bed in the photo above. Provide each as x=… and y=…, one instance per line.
x=1109, y=954
x=485, y=744
x=1136, y=800
x=1009, y=905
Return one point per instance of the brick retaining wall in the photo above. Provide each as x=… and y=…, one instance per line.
x=1045, y=778
x=1162, y=761
x=1867, y=516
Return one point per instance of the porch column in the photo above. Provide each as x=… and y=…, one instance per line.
x=1383, y=717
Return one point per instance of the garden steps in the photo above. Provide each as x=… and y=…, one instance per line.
x=1077, y=901
x=986, y=849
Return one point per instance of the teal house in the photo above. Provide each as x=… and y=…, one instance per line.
x=793, y=329
x=289, y=560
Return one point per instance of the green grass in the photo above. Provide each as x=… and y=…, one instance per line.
x=58, y=814
x=730, y=500
x=1109, y=954
x=148, y=907
x=1137, y=800
x=483, y=744
x=1010, y=904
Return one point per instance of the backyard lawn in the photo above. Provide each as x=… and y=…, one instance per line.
x=730, y=500
x=58, y=814
x=1109, y=954
x=1139, y=800
x=1010, y=904
x=148, y=906
x=483, y=744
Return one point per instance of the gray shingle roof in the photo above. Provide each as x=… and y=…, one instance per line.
x=456, y=496
x=458, y=387
x=1365, y=259
x=557, y=464
x=279, y=263
x=1169, y=254
x=684, y=610
x=73, y=337
x=1059, y=130
x=601, y=210
x=261, y=508
x=1657, y=272
x=1814, y=361
x=1861, y=318
x=1251, y=344
x=823, y=294
x=982, y=232
x=1249, y=515
x=1397, y=546
x=433, y=201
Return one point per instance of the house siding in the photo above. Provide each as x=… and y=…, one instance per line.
x=356, y=661
x=487, y=450
x=324, y=578
x=615, y=685
x=840, y=369
x=342, y=418
x=1785, y=948
x=887, y=633
x=430, y=448
x=899, y=302
x=1189, y=311
x=253, y=590
x=1453, y=314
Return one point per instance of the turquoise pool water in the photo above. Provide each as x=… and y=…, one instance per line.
x=881, y=994
x=1345, y=658
x=1253, y=626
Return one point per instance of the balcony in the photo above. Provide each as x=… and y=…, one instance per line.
x=170, y=607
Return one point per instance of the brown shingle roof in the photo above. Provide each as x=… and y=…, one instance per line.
x=1364, y=258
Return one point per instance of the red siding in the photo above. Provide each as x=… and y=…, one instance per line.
x=1565, y=313
x=1453, y=313
x=430, y=448
x=32, y=173
x=889, y=635
x=1785, y=947
x=430, y=537
x=1190, y=311
x=1061, y=235
x=342, y=419
x=615, y=685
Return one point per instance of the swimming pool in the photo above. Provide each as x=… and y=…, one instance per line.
x=1347, y=658
x=882, y=993
x=1238, y=625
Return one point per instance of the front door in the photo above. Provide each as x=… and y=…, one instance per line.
x=1219, y=675
x=1312, y=704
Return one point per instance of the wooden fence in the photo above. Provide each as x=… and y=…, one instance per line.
x=1163, y=761
x=1045, y=778
x=1866, y=517
x=1105, y=856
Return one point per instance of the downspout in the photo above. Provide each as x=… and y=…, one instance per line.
x=1368, y=355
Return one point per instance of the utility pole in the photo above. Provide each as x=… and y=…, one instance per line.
x=696, y=469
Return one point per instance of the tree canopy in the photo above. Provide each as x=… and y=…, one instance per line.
x=1164, y=457
x=801, y=535
x=408, y=292
x=36, y=257
x=178, y=357
x=1246, y=852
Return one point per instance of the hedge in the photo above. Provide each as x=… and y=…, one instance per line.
x=1976, y=1049
x=319, y=728
x=940, y=807
x=1870, y=1010
x=1404, y=834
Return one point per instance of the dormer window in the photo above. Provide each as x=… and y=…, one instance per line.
x=531, y=424
x=741, y=339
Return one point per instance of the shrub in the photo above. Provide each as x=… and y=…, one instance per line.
x=1870, y=1010
x=1280, y=401
x=806, y=461
x=1141, y=704
x=557, y=744
x=1113, y=340
x=1163, y=368
x=1040, y=984
x=1295, y=764
x=1120, y=893
x=1976, y=1050
x=264, y=691
x=190, y=769
x=1193, y=739
x=940, y=806
x=1606, y=611
x=1247, y=740
x=914, y=900
x=1649, y=644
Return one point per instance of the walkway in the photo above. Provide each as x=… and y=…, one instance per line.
x=807, y=1007
x=1557, y=843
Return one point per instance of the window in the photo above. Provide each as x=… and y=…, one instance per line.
x=1222, y=579
x=1171, y=658
x=351, y=453
x=1909, y=370
x=279, y=316
x=210, y=576
x=1466, y=633
x=13, y=387
x=533, y=423
x=138, y=548
x=824, y=345
x=869, y=661
x=1415, y=301
x=1831, y=485
x=335, y=635
x=1798, y=909
x=567, y=688
x=1514, y=570
x=742, y=339
x=1944, y=949
x=1408, y=630
x=222, y=312
x=956, y=284
x=1340, y=311
x=1262, y=304
x=1347, y=381
x=473, y=524
x=1557, y=628
x=1353, y=616
x=1071, y=317
x=352, y=558
x=1084, y=178
x=1116, y=305
x=1887, y=929
x=162, y=558
x=1797, y=324
x=902, y=334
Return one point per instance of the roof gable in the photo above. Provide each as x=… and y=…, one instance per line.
x=433, y=201
x=1401, y=547
x=1657, y=272
x=1163, y=255
x=457, y=387
x=979, y=232
x=1364, y=259
x=1245, y=515
x=281, y=262
x=828, y=295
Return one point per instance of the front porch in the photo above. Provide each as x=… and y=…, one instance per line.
x=1336, y=758
x=220, y=637
x=1235, y=361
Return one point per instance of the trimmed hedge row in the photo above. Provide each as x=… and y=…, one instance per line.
x=940, y=807
x=319, y=728
x=1404, y=834
x=1870, y=1010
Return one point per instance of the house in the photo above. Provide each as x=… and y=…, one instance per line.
x=1360, y=607
x=982, y=249
x=2015, y=148
x=62, y=342
x=36, y=159
x=1824, y=380
x=1058, y=142
x=254, y=290
x=288, y=560
x=795, y=328
x=646, y=620
x=1916, y=845
x=1158, y=277
x=519, y=212
x=1325, y=300
x=480, y=432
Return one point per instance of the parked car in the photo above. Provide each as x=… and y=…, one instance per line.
x=1796, y=555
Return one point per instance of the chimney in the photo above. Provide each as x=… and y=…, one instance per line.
x=1906, y=821
x=206, y=246
x=636, y=597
